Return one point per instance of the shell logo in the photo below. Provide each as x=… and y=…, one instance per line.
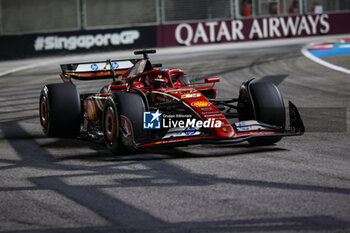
x=201, y=103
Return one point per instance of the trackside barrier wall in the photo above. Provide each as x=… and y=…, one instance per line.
x=173, y=34
x=77, y=42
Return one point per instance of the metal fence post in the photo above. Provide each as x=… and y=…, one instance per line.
x=159, y=9
x=232, y=9
x=1, y=29
x=81, y=13
x=303, y=5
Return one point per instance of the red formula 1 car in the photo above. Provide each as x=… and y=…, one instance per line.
x=146, y=106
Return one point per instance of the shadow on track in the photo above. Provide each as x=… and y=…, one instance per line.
x=199, y=151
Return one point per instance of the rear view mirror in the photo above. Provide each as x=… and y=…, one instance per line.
x=212, y=80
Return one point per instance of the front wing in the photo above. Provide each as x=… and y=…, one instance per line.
x=244, y=130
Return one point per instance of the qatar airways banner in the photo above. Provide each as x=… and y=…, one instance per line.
x=252, y=29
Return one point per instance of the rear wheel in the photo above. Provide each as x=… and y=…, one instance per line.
x=122, y=121
x=60, y=110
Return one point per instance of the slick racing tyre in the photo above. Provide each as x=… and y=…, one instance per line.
x=127, y=105
x=268, y=107
x=60, y=110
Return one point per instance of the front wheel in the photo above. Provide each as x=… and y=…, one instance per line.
x=110, y=125
x=122, y=121
x=263, y=102
x=269, y=109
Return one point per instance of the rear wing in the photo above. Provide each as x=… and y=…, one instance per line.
x=95, y=70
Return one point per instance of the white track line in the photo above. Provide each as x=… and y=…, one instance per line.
x=55, y=60
x=30, y=66
x=307, y=54
x=186, y=50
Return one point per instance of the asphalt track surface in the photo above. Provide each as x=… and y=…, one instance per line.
x=69, y=185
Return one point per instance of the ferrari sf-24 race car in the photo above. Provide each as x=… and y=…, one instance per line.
x=148, y=106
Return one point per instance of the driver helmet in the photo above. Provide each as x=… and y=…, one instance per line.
x=160, y=78
x=160, y=81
